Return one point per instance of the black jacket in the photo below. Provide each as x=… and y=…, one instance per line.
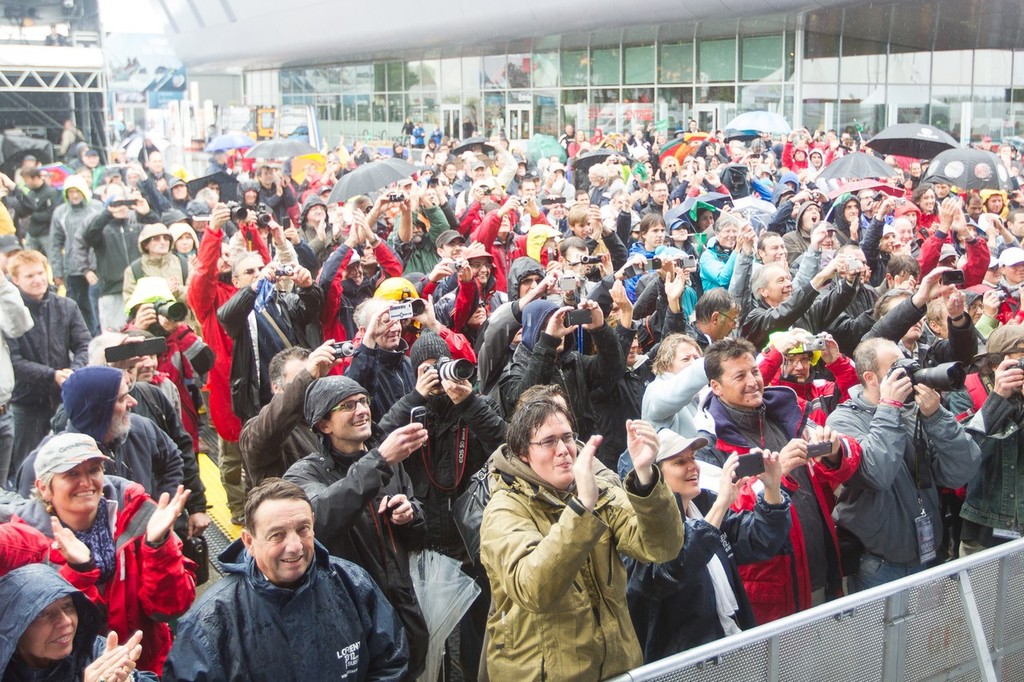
x=617, y=401
x=116, y=243
x=291, y=312
x=961, y=346
x=58, y=340
x=37, y=205
x=805, y=308
x=578, y=375
x=473, y=428
x=346, y=490
x=336, y=624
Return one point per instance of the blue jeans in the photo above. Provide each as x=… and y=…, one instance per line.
x=6, y=447
x=31, y=425
x=875, y=571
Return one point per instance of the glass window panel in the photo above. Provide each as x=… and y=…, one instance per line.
x=721, y=93
x=363, y=108
x=790, y=54
x=676, y=63
x=430, y=70
x=913, y=68
x=575, y=65
x=518, y=70
x=451, y=74
x=379, y=111
x=364, y=78
x=987, y=118
x=1018, y=70
x=762, y=58
x=856, y=110
x=396, y=108
x=471, y=73
x=992, y=67
x=604, y=110
x=545, y=112
x=604, y=67
x=640, y=63
x=864, y=31
x=673, y=108
x=413, y=74
x=286, y=81
x=760, y=97
x=348, y=107
x=379, y=78
x=915, y=21
x=863, y=68
x=396, y=73
x=494, y=111
x=717, y=60
x=574, y=107
x=494, y=72
x=545, y=69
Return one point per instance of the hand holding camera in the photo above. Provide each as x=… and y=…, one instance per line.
x=402, y=442
x=322, y=358
x=427, y=381
x=896, y=386
x=1009, y=378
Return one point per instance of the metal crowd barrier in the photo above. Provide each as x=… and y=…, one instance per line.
x=963, y=620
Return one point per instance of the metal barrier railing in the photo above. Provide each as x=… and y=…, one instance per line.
x=963, y=620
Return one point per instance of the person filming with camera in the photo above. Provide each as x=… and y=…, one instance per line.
x=910, y=444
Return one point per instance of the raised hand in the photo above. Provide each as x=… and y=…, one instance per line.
x=583, y=473
x=168, y=509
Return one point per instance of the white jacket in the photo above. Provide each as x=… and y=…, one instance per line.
x=15, y=320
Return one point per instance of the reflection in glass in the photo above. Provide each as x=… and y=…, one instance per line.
x=717, y=60
x=575, y=67
x=639, y=65
x=604, y=67
x=676, y=63
x=545, y=69
x=761, y=58
x=518, y=70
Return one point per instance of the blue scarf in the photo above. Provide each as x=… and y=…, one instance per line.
x=100, y=542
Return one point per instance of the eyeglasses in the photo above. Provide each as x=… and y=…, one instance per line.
x=351, y=405
x=551, y=442
x=728, y=317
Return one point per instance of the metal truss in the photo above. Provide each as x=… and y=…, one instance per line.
x=51, y=80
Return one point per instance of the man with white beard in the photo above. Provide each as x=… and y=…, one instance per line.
x=98, y=404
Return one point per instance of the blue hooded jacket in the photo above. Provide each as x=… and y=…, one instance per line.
x=24, y=593
x=336, y=625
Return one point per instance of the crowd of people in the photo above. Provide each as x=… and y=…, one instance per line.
x=638, y=426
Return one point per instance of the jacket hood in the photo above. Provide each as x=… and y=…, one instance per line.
x=89, y=395
x=25, y=592
x=521, y=268
x=507, y=466
x=537, y=237
x=76, y=181
x=313, y=200
x=535, y=317
x=248, y=185
x=803, y=209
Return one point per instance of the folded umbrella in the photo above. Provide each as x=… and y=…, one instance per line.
x=369, y=178
x=444, y=594
x=855, y=167
x=916, y=140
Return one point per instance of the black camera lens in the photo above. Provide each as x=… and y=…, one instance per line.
x=263, y=219
x=949, y=376
x=172, y=310
x=419, y=306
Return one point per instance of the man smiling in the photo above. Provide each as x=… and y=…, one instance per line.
x=329, y=618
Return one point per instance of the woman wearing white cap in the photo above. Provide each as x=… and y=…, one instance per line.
x=698, y=597
x=123, y=555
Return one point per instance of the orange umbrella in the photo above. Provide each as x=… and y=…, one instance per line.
x=682, y=147
x=301, y=165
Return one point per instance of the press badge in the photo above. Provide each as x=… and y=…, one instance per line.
x=925, y=537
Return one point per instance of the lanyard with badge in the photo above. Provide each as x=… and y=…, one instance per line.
x=923, y=480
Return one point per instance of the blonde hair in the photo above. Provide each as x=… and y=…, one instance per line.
x=667, y=352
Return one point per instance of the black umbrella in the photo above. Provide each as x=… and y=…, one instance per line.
x=370, y=177
x=856, y=166
x=474, y=144
x=588, y=159
x=280, y=148
x=916, y=140
x=14, y=148
x=227, y=183
x=970, y=169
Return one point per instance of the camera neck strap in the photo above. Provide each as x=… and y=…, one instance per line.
x=921, y=466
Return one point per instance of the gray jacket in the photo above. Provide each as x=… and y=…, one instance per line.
x=15, y=320
x=880, y=501
x=67, y=222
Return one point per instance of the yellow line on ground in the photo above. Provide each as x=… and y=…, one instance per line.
x=216, y=497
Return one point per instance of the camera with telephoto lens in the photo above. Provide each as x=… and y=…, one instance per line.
x=949, y=376
x=172, y=310
x=343, y=349
x=454, y=370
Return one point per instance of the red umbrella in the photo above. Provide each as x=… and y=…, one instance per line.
x=681, y=147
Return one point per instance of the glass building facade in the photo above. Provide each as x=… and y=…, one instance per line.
x=955, y=64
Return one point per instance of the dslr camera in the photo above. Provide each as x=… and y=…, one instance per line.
x=172, y=310
x=949, y=376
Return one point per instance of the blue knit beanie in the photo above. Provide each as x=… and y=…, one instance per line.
x=89, y=395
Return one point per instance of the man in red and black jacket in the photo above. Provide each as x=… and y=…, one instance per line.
x=749, y=416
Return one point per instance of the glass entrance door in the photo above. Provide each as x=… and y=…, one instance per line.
x=518, y=121
x=707, y=117
x=451, y=120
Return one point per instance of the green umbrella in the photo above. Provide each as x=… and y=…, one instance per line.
x=544, y=147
